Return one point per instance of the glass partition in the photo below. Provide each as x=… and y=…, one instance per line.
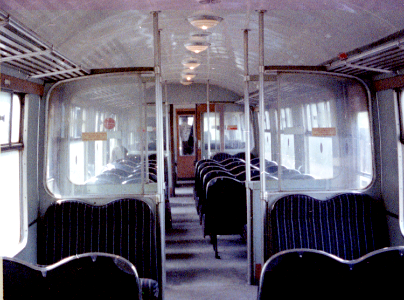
x=101, y=137
x=317, y=133
x=227, y=127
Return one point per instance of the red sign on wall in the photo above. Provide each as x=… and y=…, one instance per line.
x=109, y=123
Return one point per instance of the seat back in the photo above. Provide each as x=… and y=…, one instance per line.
x=221, y=156
x=348, y=225
x=98, y=275
x=125, y=227
x=300, y=273
x=225, y=206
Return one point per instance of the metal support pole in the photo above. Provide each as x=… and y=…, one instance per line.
x=168, y=150
x=247, y=156
x=144, y=159
x=261, y=104
x=160, y=146
x=247, y=108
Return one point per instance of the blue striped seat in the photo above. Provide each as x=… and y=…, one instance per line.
x=125, y=227
x=300, y=273
x=225, y=208
x=348, y=225
x=95, y=275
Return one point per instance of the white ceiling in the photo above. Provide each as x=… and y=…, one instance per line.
x=119, y=33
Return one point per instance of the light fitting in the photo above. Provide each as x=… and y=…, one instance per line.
x=191, y=63
x=188, y=75
x=208, y=1
x=204, y=21
x=186, y=82
x=197, y=46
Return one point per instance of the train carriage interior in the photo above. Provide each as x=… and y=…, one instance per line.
x=201, y=149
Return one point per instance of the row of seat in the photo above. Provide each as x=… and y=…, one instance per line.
x=271, y=167
x=95, y=275
x=220, y=196
x=125, y=171
x=124, y=227
x=312, y=241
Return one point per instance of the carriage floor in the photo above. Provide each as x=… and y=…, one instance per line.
x=191, y=268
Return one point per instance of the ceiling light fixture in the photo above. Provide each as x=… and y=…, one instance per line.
x=191, y=63
x=208, y=1
x=188, y=75
x=186, y=82
x=204, y=21
x=198, y=43
x=197, y=46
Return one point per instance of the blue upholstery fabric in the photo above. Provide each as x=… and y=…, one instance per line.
x=300, y=273
x=348, y=225
x=124, y=227
x=225, y=208
x=221, y=156
x=93, y=275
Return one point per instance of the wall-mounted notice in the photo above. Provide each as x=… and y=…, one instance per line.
x=94, y=136
x=324, y=131
x=231, y=127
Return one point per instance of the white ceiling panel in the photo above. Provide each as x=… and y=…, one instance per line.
x=114, y=34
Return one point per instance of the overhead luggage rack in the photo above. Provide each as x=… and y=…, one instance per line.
x=385, y=56
x=23, y=50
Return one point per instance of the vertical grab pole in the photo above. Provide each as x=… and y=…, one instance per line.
x=144, y=158
x=247, y=155
x=261, y=104
x=160, y=146
x=168, y=150
x=208, y=116
x=260, y=214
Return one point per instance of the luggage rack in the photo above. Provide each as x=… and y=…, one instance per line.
x=24, y=51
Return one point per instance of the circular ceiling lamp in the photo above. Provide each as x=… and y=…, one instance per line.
x=197, y=43
x=208, y=1
x=188, y=75
x=186, y=82
x=197, y=46
x=191, y=63
x=204, y=21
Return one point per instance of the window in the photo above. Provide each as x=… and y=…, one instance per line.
x=321, y=133
x=10, y=175
x=227, y=130
x=100, y=137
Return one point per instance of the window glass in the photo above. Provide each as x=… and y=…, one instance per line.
x=11, y=212
x=211, y=129
x=268, y=137
x=227, y=130
x=111, y=137
x=5, y=110
x=234, y=129
x=186, y=135
x=324, y=132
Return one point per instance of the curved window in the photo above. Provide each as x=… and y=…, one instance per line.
x=320, y=134
x=101, y=137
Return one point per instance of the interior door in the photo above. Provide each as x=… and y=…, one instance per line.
x=186, y=154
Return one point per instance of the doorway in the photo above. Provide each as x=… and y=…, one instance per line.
x=186, y=154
